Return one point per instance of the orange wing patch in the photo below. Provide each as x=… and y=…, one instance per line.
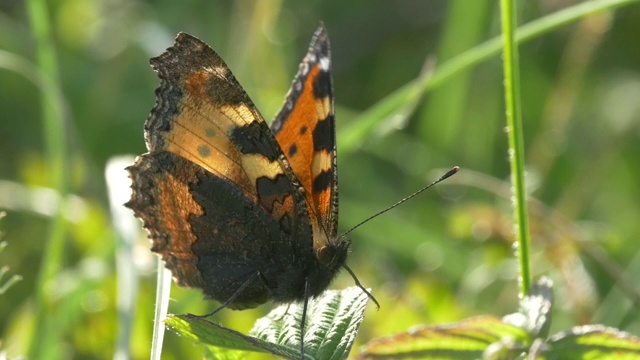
x=162, y=200
x=306, y=162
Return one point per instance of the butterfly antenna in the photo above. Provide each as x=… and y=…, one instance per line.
x=448, y=174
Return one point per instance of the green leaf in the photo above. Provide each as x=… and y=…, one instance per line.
x=217, y=336
x=468, y=339
x=332, y=323
x=592, y=342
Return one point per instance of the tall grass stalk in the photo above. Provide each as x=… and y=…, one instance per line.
x=43, y=343
x=516, y=141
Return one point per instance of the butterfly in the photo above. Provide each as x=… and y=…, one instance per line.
x=245, y=212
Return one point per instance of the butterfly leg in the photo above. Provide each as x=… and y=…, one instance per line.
x=303, y=320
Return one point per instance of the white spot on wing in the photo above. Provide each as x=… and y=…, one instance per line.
x=219, y=71
x=325, y=63
x=305, y=68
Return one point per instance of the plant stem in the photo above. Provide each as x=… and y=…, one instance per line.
x=516, y=142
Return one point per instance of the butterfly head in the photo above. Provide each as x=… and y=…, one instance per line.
x=334, y=254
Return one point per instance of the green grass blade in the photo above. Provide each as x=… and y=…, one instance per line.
x=352, y=135
x=516, y=139
x=43, y=343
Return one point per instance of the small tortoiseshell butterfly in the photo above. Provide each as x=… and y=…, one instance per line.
x=244, y=212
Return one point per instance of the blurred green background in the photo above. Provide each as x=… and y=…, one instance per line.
x=441, y=257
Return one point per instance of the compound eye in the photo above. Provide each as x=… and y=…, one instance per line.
x=326, y=255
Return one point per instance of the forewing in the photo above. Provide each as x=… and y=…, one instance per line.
x=305, y=129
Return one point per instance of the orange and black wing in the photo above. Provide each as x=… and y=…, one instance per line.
x=215, y=190
x=305, y=129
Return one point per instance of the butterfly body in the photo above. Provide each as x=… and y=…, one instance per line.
x=243, y=212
